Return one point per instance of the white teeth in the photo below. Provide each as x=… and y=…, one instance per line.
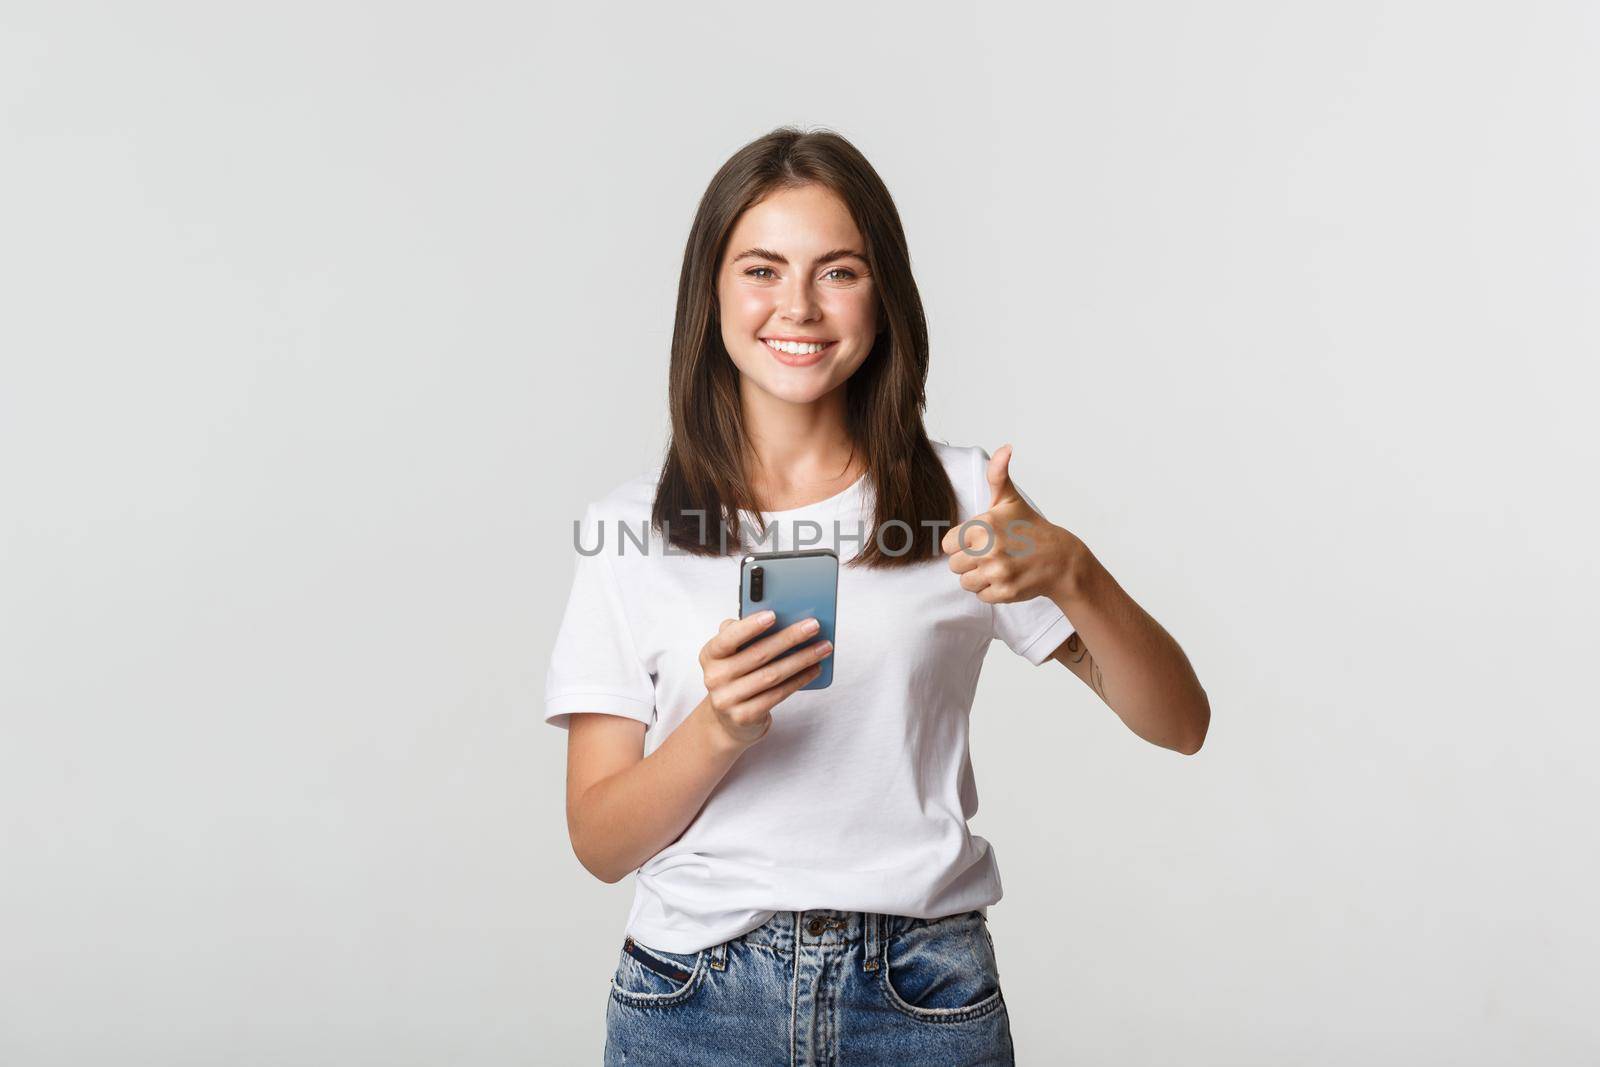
x=795, y=348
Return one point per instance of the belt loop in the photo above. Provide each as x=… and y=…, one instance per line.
x=719, y=957
x=871, y=941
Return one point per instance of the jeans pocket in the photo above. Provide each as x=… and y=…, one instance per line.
x=654, y=977
x=943, y=971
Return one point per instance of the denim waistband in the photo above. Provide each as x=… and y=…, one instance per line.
x=829, y=927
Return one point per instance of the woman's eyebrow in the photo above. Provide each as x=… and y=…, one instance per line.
x=826, y=257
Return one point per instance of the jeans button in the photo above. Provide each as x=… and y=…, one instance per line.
x=815, y=926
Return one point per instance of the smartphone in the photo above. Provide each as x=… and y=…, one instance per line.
x=797, y=585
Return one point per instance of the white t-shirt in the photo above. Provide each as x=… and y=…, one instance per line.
x=858, y=796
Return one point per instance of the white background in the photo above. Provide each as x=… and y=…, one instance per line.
x=321, y=322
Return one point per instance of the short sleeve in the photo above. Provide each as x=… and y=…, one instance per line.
x=1031, y=628
x=594, y=665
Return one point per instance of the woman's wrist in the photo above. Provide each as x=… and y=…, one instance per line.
x=1076, y=577
x=719, y=742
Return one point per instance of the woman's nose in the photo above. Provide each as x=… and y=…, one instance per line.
x=800, y=303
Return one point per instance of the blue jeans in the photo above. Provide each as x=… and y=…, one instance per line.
x=812, y=988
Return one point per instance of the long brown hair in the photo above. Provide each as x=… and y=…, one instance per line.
x=703, y=481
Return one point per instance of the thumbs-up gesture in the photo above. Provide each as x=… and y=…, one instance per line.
x=1015, y=554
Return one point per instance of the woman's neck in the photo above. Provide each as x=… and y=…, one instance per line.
x=799, y=452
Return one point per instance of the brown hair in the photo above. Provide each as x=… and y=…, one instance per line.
x=703, y=471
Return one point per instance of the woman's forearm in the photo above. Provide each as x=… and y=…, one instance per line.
x=625, y=818
x=1138, y=668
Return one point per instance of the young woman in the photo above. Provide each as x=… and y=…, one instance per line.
x=807, y=889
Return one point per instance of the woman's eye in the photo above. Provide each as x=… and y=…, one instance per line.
x=843, y=270
x=753, y=270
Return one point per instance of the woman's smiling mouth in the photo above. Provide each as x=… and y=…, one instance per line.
x=797, y=353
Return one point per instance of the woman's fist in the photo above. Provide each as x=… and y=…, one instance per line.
x=1021, y=555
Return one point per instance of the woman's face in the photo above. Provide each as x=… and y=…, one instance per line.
x=795, y=268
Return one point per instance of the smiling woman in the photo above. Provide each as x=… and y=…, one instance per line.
x=808, y=889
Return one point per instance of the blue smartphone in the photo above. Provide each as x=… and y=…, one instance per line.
x=795, y=585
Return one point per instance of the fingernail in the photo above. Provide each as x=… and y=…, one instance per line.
x=768, y=616
x=810, y=626
x=824, y=647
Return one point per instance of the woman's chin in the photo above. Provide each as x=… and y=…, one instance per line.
x=795, y=392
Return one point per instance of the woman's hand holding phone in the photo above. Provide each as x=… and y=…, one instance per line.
x=743, y=685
